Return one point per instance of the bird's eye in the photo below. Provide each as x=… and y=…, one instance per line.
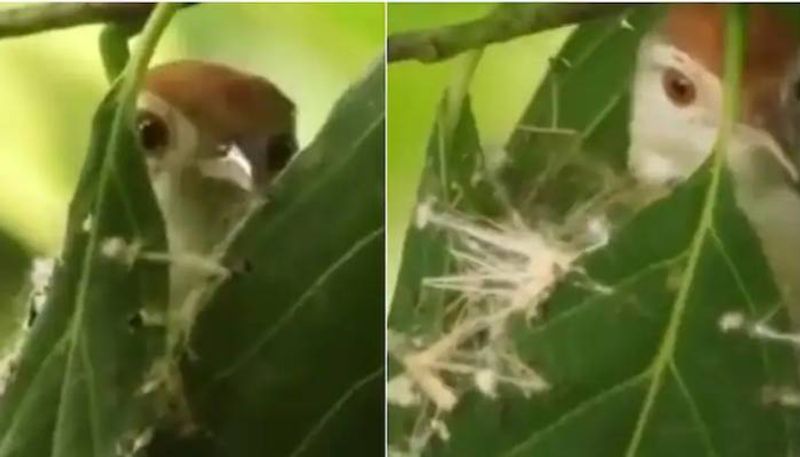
x=678, y=87
x=279, y=150
x=152, y=132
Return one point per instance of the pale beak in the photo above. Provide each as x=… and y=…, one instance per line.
x=767, y=142
x=232, y=167
x=769, y=114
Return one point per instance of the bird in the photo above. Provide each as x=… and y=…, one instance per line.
x=676, y=111
x=213, y=139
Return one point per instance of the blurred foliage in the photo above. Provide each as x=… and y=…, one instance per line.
x=52, y=82
x=503, y=84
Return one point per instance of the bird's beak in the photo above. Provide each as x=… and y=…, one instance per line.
x=768, y=142
x=779, y=132
x=233, y=167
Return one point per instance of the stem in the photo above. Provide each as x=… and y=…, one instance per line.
x=503, y=23
x=734, y=26
x=29, y=19
x=137, y=66
x=114, y=48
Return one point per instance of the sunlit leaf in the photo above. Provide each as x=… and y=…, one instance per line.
x=80, y=383
x=76, y=389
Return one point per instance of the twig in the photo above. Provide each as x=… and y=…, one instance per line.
x=28, y=19
x=503, y=23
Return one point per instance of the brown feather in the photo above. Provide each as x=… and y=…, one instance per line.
x=222, y=101
x=771, y=48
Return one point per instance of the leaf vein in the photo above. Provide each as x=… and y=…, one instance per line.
x=622, y=283
x=705, y=433
x=295, y=307
x=576, y=411
x=336, y=407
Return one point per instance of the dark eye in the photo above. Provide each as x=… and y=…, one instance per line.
x=152, y=132
x=678, y=87
x=280, y=149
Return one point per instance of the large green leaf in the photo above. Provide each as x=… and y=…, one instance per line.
x=78, y=386
x=287, y=360
x=640, y=365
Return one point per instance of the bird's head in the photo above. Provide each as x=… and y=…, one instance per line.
x=215, y=122
x=677, y=96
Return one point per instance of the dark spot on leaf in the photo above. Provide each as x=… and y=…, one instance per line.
x=135, y=321
x=242, y=267
x=32, y=315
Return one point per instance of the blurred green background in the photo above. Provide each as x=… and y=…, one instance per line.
x=504, y=83
x=51, y=82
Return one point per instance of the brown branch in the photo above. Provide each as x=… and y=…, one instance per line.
x=34, y=18
x=503, y=23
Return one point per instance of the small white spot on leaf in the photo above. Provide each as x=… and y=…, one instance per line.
x=730, y=321
x=423, y=214
x=40, y=277
x=113, y=247
x=786, y=397
x=625, y=24
x=86, y=225
x=118, y=249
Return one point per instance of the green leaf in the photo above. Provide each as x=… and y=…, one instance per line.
x=14, y=263
x=75, y=391
x=451, y=162
x=600, y=351
x=78, y=384
x=455, y=175
x=639, y=366
x=287, y=359
x=575, y=126
x=454, y=156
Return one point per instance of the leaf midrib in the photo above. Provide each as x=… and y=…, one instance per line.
x=733, y=36
x=337, y=406
x=667, y=348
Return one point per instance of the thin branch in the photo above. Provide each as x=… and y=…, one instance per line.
x=34, y=18
x=503, y=23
